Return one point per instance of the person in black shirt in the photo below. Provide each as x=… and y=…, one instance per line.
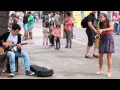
x=25, y=25
x=91, y=31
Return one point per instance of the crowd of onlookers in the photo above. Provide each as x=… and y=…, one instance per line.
x=52, y=29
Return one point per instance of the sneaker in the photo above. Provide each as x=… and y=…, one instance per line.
x=11, y=74
x=29, y=73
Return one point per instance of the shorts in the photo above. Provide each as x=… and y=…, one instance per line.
x=30, y=28
x=25, y=27
x=91, y=37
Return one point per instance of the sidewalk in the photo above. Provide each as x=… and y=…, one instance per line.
x=66, y=63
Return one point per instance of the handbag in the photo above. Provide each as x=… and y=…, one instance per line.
x=97, y=37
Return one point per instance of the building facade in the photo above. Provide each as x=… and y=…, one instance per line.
x=79, y=15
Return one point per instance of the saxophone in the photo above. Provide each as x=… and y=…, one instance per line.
x=97, y=37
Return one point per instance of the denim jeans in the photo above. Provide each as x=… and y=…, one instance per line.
x=118, y=29
x=68, y=38
x=56, y=22
x=11, y=55
x=115, y=27
x=57, y=42
x=72, y=32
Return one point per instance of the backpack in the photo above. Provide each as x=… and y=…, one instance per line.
x=84, y=23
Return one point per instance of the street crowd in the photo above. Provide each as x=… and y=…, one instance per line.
x=52, y=34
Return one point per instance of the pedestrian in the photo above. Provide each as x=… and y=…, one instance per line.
x=15, y=18
x=10, y=23
x=30, y=24
x=106, y=42
x=118, y=30
x=53, y=17
x=67, y=29
x=50, y=15
x=57, y=34
x=91, y=32
x=51, y=29
x=45, y=34
x=17, y=51
x=116, y=21
x=43, y=18
x=46, y=17
x=25, y=25
x=57, y=18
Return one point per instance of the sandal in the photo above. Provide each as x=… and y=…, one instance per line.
x=96, y=56
x=109, y=74
x=88, y=57
x=99, y=73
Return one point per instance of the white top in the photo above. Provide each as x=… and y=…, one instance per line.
x=57, y=17
x=13, y=39
x=53, y=18
x=116, y=18
x=45, y=31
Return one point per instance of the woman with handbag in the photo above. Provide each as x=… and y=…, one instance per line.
x=106, y=42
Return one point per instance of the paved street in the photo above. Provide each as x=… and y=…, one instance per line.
x=67, y=63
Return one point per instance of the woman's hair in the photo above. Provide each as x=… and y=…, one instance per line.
x=29, y=13
x=51, y=22
x=58, y=26
x=105, y=15
x=106, y=22
x=46, y=24
x=68, y=13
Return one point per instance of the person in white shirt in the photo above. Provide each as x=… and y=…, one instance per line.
x=17, y=51
x=57, y=18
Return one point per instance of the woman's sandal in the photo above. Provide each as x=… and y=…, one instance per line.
x=109, y=74
x=99, y=73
